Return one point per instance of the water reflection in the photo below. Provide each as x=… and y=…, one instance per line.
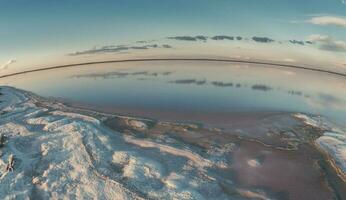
x=190, y=81
x=187, y=87
x=111, y=75
x=261, y=87
x=222, y=84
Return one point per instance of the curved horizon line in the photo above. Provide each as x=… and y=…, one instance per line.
x=177, y=59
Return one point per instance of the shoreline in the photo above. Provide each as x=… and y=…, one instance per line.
x=181, y=59
x=91, y=110
x=177, y=121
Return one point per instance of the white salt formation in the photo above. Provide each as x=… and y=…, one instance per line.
x=50, y=153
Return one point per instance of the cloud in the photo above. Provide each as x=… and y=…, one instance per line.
x=327, y=43
x=328, y=20
x=297, y=42
x=145, y=41
x=204, y=38
x=146, y=44
x=7, y=64
x=119, y=48
x=222, y=37
x=262, y=39
x=201, y=37
x=189, y=38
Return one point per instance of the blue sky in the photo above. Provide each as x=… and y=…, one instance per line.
x=59, y=26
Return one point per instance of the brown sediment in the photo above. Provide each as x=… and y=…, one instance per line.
x=222, y=128
x=256, y=126
x=204, y=136
x=247, y=124
x=188, y=133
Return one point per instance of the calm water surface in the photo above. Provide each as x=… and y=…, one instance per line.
x=187, y=87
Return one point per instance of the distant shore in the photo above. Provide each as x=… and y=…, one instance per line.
x=180, y=59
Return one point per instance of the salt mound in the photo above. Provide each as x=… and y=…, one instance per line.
x=335, y=145
x=333, y=142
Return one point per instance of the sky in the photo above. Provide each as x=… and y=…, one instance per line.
x=42, y=33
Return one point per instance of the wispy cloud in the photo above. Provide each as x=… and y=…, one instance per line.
x=328, y=43
x=219, y=37
x=119, y=48
x=322, y=42
x=189, y=38
x=328, y=20
x=262, y=39
x=297, y=42
x=222, y=37
x=7, y=64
